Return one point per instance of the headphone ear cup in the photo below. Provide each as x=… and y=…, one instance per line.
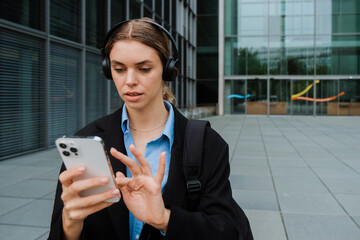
x=106, y=67
x=171, y=69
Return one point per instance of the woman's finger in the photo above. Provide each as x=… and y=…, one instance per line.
x=67, y=176
x=161, y=171
x=82, y=213
x=91, y=201
x=145, y=166
x=88, y=183
x=121, y=180
x=130, y=163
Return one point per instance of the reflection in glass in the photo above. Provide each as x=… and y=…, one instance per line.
x=337, y=55
x=65, y=19
x=95, y=23
x=65, y=95
x=291, y=55
x=245, y=56
x=256, y=96
x=327, y=99
x=235, y=104
x=350, y=102
x=134, y=9
x=304, y=88
x=22, y=94
x=96, y=94
x=280, y=96
x=118, y=11
x=27, y=13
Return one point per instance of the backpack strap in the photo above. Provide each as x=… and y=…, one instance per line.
x=192, y=157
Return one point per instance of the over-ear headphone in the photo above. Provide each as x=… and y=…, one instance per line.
x=171, y=66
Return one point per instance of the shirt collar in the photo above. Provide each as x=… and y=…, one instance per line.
x=168, y=130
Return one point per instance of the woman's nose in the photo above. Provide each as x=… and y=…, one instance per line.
x=131, y=77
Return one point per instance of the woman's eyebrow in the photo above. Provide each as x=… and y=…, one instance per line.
x=144, y=62
x=117, y=62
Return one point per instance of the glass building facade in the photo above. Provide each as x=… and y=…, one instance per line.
x=51, y=80
x=291, y=57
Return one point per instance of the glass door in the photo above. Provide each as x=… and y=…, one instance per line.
x=235, y=97
x=280, y=96
x=327, y=97
x=302, y=97
x=349, y=102
x=256, y=96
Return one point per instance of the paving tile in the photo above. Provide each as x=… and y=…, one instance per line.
x=249, y=161
x=298, y=185
x=19, y=232
x=256, y=200
x=342, y=173
x=343, y=186
x=25, y=172
x=29, y=189
x=286, y=162
x=293, y=172
x=313, y=203
x=8, y=181
x=50, y=196
x=316, y=163
x=351, y=203
x=52, y=174
x=250, y=170
x=44, y=236
x=9, y=204
x=266, y=225
x=36, y=214
x=357, y=220
x=324, y=227
x=244, y=182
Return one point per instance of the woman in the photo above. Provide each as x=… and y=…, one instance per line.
x=145, y=138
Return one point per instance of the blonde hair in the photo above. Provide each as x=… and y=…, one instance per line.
x=149, y=35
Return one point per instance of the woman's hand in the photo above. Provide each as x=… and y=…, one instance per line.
x=77, y=208
x=142, y=192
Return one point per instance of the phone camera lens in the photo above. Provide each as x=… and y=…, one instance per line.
x=66, y=153
x=74, y=150
x=62, y=145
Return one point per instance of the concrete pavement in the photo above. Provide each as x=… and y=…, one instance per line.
x=296, y=177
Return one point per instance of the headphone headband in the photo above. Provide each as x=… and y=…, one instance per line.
x=170, y=67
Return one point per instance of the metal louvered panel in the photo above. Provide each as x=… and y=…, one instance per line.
x=65, y=94
x=96, y=86
x=22, y=94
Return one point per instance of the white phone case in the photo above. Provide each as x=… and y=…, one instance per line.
x=90, y=153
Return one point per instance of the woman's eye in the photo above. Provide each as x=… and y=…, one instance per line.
x=145, y=70
x=119, y=70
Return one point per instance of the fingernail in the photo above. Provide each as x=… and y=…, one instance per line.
x=81, y=169
x=115, y=192
x=104, y=180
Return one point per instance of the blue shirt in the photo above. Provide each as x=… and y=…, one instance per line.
x=152, y=154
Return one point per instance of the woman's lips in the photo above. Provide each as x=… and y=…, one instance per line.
x=133, y=96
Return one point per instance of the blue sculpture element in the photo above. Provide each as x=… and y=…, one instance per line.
x=237, y=96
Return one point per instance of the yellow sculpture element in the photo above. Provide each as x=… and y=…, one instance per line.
x=295, y=96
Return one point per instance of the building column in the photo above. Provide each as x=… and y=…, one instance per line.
x=221, y=58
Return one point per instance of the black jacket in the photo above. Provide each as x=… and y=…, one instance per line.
x=217, y=217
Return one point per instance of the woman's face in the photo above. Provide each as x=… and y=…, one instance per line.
x=137, y=72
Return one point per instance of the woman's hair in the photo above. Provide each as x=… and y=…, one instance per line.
x=149, y=35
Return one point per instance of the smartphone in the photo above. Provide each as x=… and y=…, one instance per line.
x=88, y=152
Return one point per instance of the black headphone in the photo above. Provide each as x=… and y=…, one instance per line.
x=171, y=66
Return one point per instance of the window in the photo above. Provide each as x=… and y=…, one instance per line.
x=28, y=13
x=22, y=94
x=65, y=95
x=65, y=19
x=96, y=84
